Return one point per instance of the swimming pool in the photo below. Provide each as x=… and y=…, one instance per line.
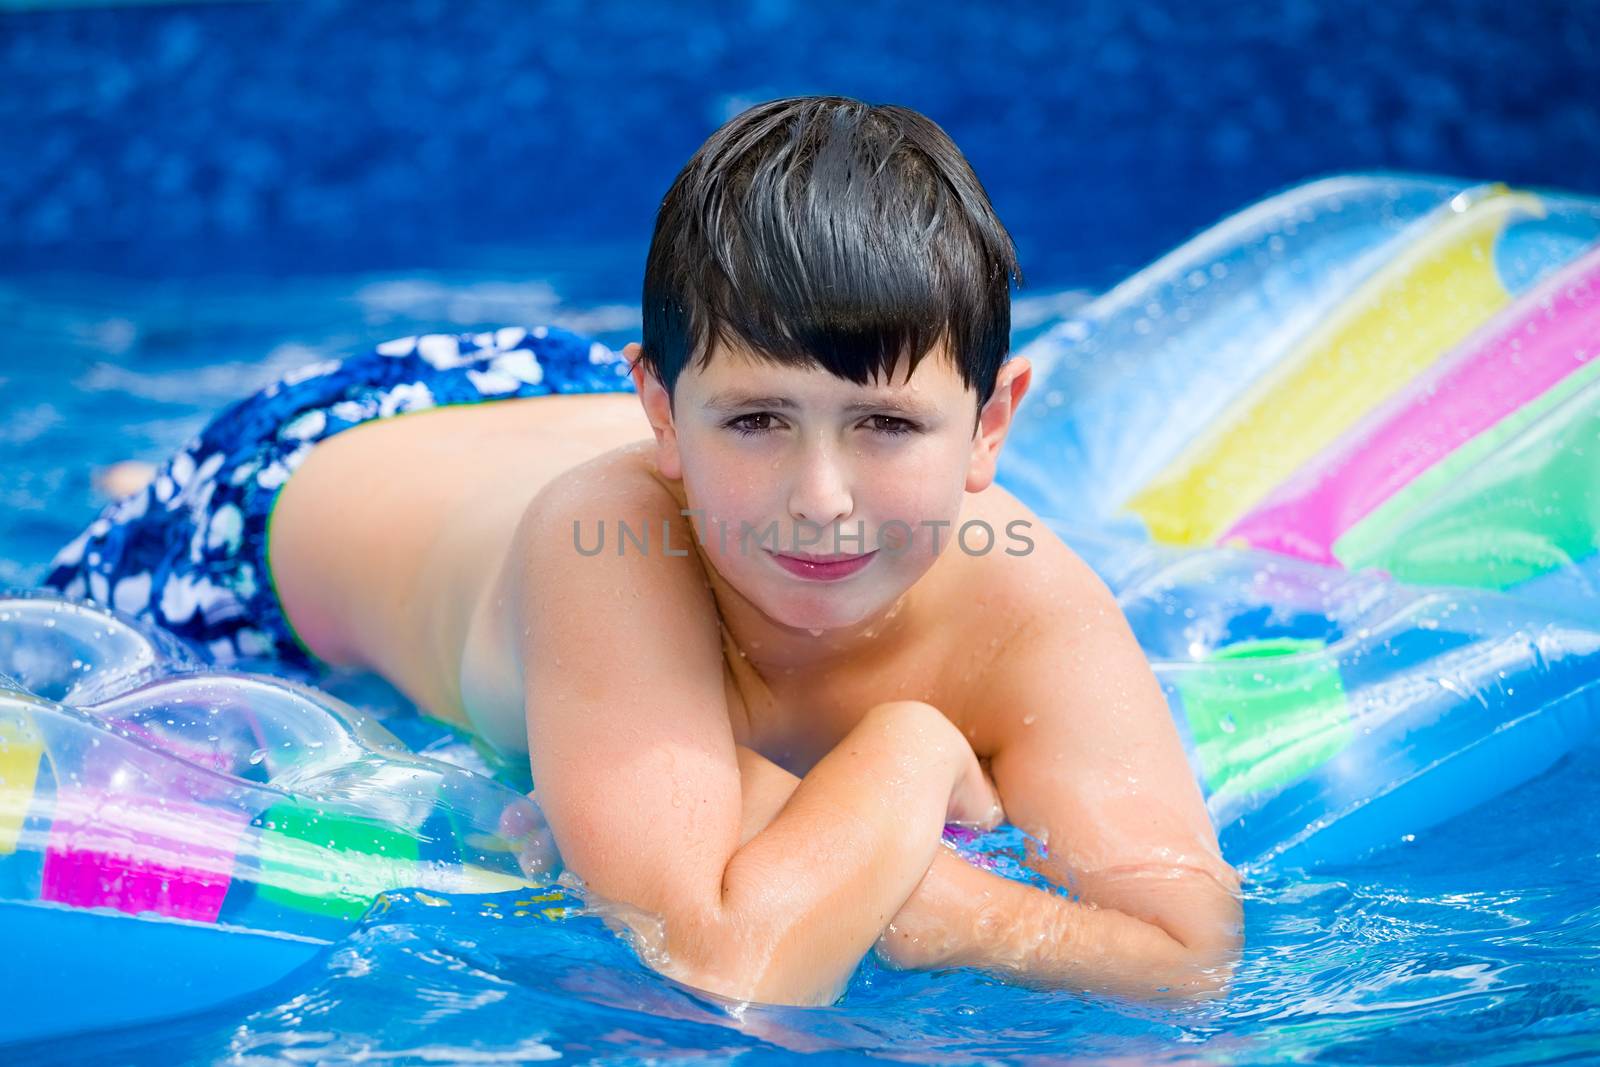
x=1475, y=940
x=236, y=143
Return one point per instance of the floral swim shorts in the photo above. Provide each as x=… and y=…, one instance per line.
x=189, y=551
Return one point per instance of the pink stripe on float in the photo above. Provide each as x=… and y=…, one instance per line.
x=1519, y=355
x=140, y=854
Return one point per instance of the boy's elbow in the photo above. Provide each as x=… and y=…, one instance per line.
x=1205, y=957
x=718, y=948
x=690, y=943
x=745, y=981
x=686, y=933
x=749, y=974
x=1204, y=922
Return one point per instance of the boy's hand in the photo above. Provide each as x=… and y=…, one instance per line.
x=766, y=787
x=975, y=802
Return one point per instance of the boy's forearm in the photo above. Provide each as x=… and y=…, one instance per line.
x=807, y=896
x=962, y=916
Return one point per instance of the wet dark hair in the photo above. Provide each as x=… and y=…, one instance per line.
x=823, y=231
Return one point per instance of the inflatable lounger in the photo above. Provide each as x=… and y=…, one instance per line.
x=172, y=837
x=1368, y=371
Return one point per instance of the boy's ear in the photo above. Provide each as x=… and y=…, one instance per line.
x=658, y=409
x=994, y=421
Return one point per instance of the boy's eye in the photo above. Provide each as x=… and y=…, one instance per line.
x=760, y=422
x=752, y=425
x=892, y=425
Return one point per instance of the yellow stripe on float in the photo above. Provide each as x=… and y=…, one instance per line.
x=20, y=749
x=1414, y=309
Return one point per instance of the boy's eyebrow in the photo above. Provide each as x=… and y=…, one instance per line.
x=729, y=399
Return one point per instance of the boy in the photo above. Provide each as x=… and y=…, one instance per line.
x=764, y=640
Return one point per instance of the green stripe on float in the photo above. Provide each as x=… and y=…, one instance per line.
x=1264, y=713
x=329, y=863
x=1518, y=501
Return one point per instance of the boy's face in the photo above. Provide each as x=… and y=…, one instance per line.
x=786, y=465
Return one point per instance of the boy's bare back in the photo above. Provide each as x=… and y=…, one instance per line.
x=379, y=535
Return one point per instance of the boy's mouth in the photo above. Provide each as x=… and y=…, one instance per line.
x=822, y=568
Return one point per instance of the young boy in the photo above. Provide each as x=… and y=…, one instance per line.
x=764, y=625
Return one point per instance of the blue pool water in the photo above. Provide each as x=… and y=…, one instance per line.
x=188, y=138
x=1477, y=941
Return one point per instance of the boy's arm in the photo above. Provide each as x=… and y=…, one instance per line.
x=963, y=916
x=1084, y=753
x=1087, y=759
x=637, y=773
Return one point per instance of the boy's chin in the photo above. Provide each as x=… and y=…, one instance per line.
x=815, y=613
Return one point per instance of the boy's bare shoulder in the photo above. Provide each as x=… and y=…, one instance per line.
x=1029, y=574
x=1028, y=590
x=614, y=523
x=560, y=587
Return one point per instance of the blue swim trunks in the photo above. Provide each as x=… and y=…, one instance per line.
x=189, y=552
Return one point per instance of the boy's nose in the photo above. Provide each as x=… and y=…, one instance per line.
x=820, y=492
